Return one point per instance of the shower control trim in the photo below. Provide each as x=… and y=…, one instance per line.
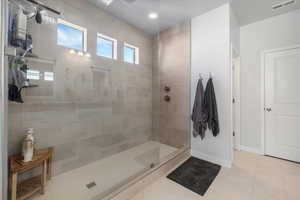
x=167, y=98
x=167, y=89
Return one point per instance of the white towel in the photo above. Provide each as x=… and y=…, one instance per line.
x=21, y=25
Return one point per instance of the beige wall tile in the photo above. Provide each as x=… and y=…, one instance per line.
x=171, y=121
x=86, y=114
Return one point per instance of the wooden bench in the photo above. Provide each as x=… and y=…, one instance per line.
x=26, y=188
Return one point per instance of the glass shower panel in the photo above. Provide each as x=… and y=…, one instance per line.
x=108, y=120
x=171, y=86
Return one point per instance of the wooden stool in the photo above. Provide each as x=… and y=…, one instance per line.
x=24, y=189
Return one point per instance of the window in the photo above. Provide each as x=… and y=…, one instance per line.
x=131, y=54
x=48, y=76
x=106, y=46
x=71, y=36
x=33, y=74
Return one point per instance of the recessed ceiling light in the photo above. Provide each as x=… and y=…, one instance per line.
x=153, y=15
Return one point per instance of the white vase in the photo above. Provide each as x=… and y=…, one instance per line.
x=28, y=146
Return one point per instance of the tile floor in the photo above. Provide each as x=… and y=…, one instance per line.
x=108, y=173
x=252, y=177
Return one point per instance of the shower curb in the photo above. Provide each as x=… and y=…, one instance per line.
x=129, y=190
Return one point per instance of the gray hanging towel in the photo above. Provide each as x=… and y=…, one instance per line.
x=210, y=104
x=16, y=81
x=16, y=76
x=198, y=115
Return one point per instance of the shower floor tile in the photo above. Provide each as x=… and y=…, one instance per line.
x=106, y=174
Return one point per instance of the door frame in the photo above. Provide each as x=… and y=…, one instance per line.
x=237, y=82
x=3, y=100
x=263, y=90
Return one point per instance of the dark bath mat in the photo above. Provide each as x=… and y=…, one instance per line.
x=195, y=174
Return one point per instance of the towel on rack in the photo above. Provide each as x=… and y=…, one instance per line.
x=16, y=80
x=210, y=108
x=198, y=115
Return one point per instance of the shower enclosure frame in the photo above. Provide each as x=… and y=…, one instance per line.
x=3, y=100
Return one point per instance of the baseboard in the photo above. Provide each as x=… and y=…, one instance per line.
x=209, y=158
x=251, y=150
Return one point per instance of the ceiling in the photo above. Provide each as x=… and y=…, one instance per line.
x=172, y=12
x=249, y=11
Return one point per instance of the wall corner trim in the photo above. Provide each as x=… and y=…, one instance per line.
x=209, y=158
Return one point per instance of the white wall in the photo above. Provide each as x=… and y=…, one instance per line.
x=277, y=32
x=234, y=31
x=211, y=53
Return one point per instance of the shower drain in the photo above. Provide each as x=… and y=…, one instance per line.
x=91, y=185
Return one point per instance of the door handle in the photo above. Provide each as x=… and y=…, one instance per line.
x=268, y=109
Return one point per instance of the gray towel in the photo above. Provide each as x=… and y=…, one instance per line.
x=198, y=116
x=16, y=76
x=16, y=80
x=211, y=110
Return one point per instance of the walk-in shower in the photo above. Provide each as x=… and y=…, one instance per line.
x=108, y=92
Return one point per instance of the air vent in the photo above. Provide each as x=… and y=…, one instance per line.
x=283, y=4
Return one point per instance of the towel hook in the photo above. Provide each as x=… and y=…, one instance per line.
x=209, y=76
x=200, y=76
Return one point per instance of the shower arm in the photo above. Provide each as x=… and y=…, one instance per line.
x=44, y=6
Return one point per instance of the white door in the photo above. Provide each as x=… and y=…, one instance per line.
x=282, y=104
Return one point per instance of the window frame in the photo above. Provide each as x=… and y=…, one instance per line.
x=74, y=26
x=114, y=46
x=136, y=53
